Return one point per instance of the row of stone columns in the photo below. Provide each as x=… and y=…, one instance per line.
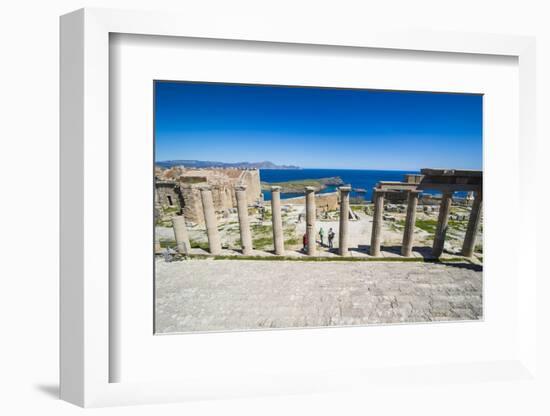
x=442, y=224
x=410, y=219
x=211, y=223
x=214, y=242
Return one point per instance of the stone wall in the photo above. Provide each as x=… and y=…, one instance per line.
x=251, y=178
x=224, y=197
x=184, y=192
x=192, y=208
x=328, y=201
x=167, y=194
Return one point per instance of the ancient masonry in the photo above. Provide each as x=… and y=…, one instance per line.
x=180, y=189
x=447, y=181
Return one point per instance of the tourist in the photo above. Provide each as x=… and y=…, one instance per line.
x=330, y=238
x=304, y=241
x=167, y=253
x=321, y=235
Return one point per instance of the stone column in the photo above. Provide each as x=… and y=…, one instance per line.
x=180, y=233
x=377, y=222
x=442, y=224
x=277, y=221
x=211, y=222
x=244, y=226
x=473, y=226
x=311, y=232
x=412, y=202
x=344, y=221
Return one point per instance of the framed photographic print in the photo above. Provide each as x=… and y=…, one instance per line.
x=279, y=223
x=244, y=214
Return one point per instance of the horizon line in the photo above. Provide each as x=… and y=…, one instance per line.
x=325, y=168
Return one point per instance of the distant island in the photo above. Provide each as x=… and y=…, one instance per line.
x=299, y=185
x=211, y=164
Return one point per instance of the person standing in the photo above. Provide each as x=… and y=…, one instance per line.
x=304, y=241
x=168, y=254
x=321, y=235
x=330, y=238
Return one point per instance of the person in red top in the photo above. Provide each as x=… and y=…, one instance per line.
x=304, y=241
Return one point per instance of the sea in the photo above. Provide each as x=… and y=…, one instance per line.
x=358, y=179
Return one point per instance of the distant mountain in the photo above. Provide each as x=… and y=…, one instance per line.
x=210, y=164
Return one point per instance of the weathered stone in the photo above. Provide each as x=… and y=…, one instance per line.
x=229, y=295
x=214, y=242
x=244, y=225
x=406, y=248
x=311, y=214
x=442, y=224
x=179, y=187
x=344, y=221
x=180, y=234
x=473, y=226
x=277, y=221
x=377, y=222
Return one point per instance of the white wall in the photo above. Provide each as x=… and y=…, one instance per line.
x=29, y=155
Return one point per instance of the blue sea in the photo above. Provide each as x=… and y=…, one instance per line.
x=365, y=179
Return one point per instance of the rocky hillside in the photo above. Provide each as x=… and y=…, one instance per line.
x=299, y=185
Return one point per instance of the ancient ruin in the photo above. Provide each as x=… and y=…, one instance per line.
x=344, y=220
x=241, y=189
x=447, y=181
x=179, y=190
x=278, y=237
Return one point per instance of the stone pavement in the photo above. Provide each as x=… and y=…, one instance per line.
x=218, y=295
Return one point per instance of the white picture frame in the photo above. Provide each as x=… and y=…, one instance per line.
x=86, y=355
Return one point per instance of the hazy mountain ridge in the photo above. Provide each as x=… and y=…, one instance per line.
x=212, y=164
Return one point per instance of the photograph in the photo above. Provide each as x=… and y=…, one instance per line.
x=287, y=206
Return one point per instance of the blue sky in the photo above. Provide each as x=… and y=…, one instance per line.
x=317, y=127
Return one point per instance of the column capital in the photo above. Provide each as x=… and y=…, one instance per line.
x=275, y=188
x=205, y=188
x=310, y=189
x=346, y=188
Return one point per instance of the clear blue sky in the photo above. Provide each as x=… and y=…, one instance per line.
x=317, y=127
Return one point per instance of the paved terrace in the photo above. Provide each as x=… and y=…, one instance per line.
x=216, y=295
